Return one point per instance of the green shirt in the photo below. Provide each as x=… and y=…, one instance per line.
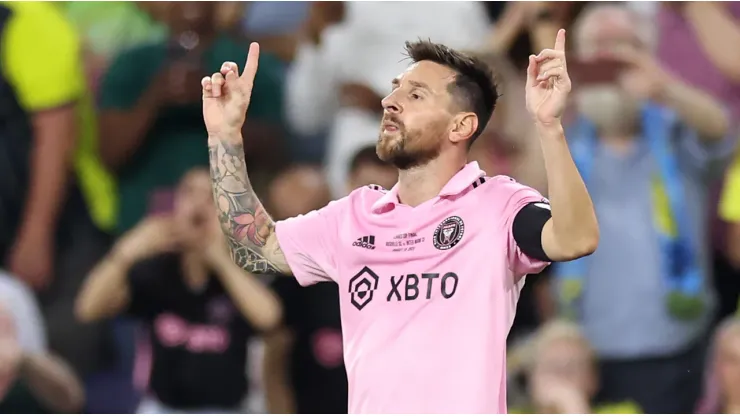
x=177, y=140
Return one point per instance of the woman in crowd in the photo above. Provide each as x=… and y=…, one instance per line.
x=174, y=273
x=563, y=375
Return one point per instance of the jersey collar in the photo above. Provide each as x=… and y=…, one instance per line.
x=460, y=182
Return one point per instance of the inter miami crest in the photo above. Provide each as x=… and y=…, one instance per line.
x=448, y=233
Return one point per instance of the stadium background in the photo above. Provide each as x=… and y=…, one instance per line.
x=314, y=115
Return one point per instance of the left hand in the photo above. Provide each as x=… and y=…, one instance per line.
x=548, y=83
x=32, y=258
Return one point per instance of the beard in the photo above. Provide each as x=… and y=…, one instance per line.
x=406, y=149
x=610, y=108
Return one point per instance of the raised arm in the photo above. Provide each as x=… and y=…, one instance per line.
x=573, y=230
x=250, y=230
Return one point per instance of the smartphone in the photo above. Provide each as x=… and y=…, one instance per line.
x=602, y=71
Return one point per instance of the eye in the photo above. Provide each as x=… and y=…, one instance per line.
x=415, y=96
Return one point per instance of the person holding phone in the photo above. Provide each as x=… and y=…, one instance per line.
x=149, y=112
x=174, y=274
x=645, y=144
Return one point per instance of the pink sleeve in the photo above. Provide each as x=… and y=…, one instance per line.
x=519, y=196
x=309, y=243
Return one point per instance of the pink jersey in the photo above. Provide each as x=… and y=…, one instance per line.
x=427, y=293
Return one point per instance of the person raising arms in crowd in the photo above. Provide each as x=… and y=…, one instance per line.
x=174, y=273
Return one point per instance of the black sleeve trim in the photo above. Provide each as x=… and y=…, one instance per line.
x=527, y=229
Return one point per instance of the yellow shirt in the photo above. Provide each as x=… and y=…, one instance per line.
x=621, y=408
x=42, y=61
x=729, y=203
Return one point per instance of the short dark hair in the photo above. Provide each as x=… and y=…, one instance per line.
x=473, y=87
x=366, y=156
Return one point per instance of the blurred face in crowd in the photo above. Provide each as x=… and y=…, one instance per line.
x=373, y=174
x=194, y=210
x=601, y=33
x=566, y=361
x=727, y=360
x=181, y=16
x=297, y=191
x=418, y=116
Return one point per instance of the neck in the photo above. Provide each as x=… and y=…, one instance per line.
x=194, y=270
x=422, y=183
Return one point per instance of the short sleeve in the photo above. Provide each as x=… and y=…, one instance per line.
x=144, y=282
x=309, y=243
x=43, y=58
x=518, y=196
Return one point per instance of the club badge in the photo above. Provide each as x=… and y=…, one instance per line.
x=448, y=233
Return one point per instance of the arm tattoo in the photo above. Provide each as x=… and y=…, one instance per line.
x=242, y=216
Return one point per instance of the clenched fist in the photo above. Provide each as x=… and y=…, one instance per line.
x=226, y=96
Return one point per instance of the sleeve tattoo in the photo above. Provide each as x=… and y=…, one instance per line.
x=249, y=229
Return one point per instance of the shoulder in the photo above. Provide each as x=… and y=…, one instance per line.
x=503, y=187
x=505, y=196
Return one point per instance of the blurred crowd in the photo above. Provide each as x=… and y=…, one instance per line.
x=117, y=294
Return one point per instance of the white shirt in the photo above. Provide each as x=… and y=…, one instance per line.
x=20, y=301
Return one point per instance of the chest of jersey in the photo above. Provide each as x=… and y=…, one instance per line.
x=436, y=255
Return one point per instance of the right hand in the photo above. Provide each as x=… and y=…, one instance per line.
x=151, y=236
x=226, y=96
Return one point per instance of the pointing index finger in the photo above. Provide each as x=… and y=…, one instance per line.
x=250, y=68
x=560, y=41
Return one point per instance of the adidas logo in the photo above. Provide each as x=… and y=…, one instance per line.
x=367, y=242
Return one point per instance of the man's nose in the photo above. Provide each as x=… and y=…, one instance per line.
x=391, y=105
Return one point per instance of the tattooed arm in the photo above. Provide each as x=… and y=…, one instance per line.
x=249, y=229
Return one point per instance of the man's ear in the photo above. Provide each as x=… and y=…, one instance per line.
x=464, y=126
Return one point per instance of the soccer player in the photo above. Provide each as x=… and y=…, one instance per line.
x=429, y=272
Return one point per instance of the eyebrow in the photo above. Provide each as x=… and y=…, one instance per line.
x=416, y=84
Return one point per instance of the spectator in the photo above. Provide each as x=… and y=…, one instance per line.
x=108, y=28
x=722, y=387
x=304, y=366
x=563, y=374
x=525, y=27
x=33, y=380
x=366, y=168
x=689, y=39
x=346, y=58
x=151, y=121
x=55, y=195
x=645, y=143
x=175, y=274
